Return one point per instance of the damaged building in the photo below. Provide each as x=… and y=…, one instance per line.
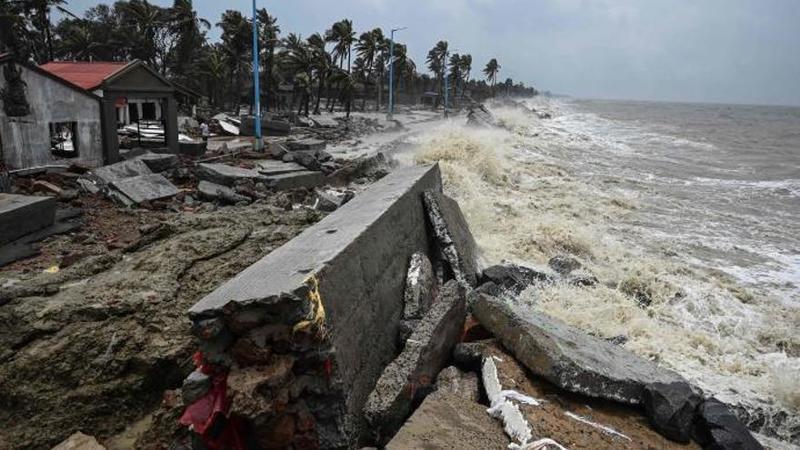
x=61, y=125
x=76, y=109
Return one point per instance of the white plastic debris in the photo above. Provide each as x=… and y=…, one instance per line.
x=514, y=424
x=504, y=409
x=541, y=444
x=600, y=427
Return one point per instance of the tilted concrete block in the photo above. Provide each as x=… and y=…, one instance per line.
x=410, y=377
x=567, y=357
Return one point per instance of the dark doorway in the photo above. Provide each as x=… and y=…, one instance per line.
x=148, y=111
x=133, y=113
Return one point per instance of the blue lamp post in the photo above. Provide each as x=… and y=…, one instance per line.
x=259, y=141
x=390, y=106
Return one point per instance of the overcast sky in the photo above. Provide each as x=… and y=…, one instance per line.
x=730, y=51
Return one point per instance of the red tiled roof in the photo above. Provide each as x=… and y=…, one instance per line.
x=88, y=75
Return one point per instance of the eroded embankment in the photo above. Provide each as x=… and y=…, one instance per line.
x=94, y=346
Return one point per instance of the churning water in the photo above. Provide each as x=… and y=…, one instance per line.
x=695, y=207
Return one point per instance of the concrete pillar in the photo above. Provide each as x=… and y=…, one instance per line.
x=158, y=110
x=171, y=123
x=139, y=110
x=108, y=115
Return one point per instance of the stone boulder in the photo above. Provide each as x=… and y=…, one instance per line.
x=670, y=407
x=717, y=428
x=515, y=278
x=567, y=357
x=564, y=264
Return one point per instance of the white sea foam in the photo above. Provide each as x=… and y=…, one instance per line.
x=527, y=199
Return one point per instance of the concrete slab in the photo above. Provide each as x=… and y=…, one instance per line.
x=345, y=276
x=23, y=214
x=159, y=162
x=449, y=422
x=453, y=236
x=275, y=167
x=145, y=188
x=410, y=377
x=121, y=170
x=217, y=192
x=567, y=357
x=296, y=180
x=306, y=144
x=224, y=174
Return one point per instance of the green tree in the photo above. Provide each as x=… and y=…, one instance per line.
x=346, y=83
x=437, y=60
x=269, y=38
x=237, y=48
x=491, y=70
x=342, y=36
x=368, y=48
x=189, y=31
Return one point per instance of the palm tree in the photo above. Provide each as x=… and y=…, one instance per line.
x=42, y=20
x=269, y=35
x=343, y=37
x=437, y=59
x=141, y=23
x=367, y=48
x=466, y=66
x=491, y=71
x=299, y=58
x=405, y=68
x=346, y=83
x=214, y=69
x=236, y=46
x=322, y=64
x=455, y=73
x=188, y=29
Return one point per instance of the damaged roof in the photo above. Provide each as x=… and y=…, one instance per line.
x=88, y=75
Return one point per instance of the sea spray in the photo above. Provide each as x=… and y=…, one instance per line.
x=527, y=198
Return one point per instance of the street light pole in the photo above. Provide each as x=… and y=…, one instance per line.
x=446, y=84
x=259, y=141
x=390, y=106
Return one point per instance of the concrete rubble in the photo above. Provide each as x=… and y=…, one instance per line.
x=453, y=237
x=568, y=358
x=23, y=214
x=420, y=287
x=226, y=175
x=219, y=193
x=79, y=441
x=479, y=116
x=133, y=181
x=410, y=377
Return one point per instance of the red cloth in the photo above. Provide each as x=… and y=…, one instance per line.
x=203, y=414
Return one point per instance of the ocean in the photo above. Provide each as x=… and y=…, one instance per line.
x=694, y=208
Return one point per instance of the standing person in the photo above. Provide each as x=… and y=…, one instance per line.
x=204, y=131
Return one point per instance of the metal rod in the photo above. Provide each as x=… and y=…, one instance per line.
x=259, y=142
